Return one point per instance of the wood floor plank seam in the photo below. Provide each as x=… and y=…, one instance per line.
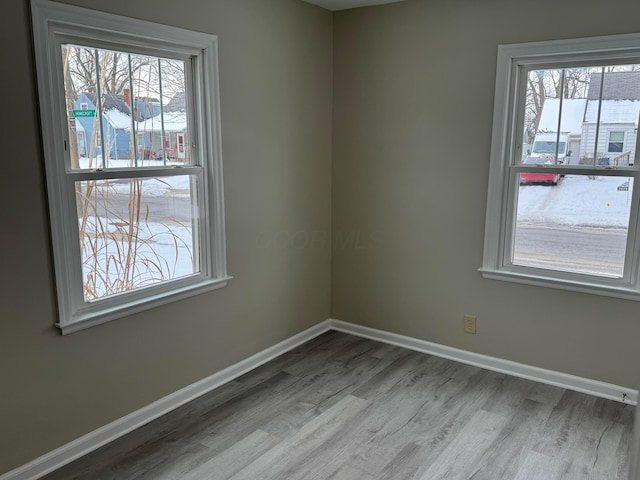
x=341, y=407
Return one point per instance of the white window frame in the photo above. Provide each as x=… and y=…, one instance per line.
x=505, y=166
x=55, y=23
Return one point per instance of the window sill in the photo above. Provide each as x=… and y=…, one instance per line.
x=84, y=320
x=615, y=291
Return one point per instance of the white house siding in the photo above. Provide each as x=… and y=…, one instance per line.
x=587, y=146
x=614, y=116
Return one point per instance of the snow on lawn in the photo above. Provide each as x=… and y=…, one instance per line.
x=162, y=245
x=577, y=200
x=163, y=251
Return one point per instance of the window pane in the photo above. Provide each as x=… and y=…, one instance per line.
x=570, y=114
x=135, y=233
x=616, y=136
x=164, y=128
x=578, y=226
x=616, y=142
x=125, y=106
x=555, y=104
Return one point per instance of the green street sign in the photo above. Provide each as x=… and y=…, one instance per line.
x=84, y=113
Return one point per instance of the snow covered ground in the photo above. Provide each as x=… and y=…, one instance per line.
x=578, y=226
x=577, y=200
x=164, y=249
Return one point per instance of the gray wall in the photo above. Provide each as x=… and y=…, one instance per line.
x=413, y=85
x=413, y=106
x=276, y=89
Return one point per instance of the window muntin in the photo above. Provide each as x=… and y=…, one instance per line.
x=133, y=224
x=583, y=103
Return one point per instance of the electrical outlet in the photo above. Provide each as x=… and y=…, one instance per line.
x=470, y=324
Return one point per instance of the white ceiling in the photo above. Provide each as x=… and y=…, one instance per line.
x=344, y=4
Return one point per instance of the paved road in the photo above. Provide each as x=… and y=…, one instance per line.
x=154, y=208
x=581, y=249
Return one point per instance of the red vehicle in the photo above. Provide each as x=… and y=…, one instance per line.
x=539, y=177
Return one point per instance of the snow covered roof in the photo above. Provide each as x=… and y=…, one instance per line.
x=118, y=119
x=173, y=122
x=110, y=102
x=572, y=115
x=115, y=110
x=613, y=111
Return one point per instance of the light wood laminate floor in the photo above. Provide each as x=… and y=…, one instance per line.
x=345, y=408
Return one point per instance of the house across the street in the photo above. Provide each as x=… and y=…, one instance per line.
x=118, y=119
x=614, y=120
x=165, y=134
x=116, y=125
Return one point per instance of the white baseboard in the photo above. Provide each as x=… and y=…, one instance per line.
x=550, y=377
x=94, y=440
x=103, y=435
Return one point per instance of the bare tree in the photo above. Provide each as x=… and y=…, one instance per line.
x=118, y=70
x=557, y=83
x=114, y=69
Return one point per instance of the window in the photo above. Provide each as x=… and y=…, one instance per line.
x=132, y=228
x=616, y=142
x=562, y=207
